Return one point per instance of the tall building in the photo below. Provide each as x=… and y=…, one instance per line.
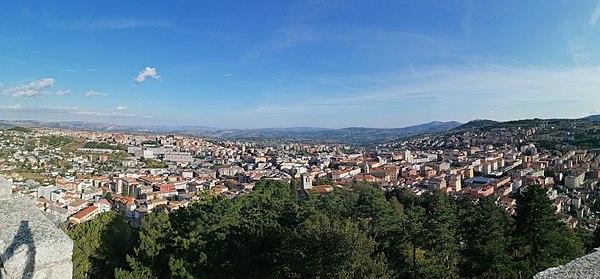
x=46, y=191
x=306, y=181
x=305, y=184
x=574, y=180
x=407, y=156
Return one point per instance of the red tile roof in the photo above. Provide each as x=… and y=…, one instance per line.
x=82, y=213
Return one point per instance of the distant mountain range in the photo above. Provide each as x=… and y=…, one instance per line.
x=595, y=117
x=351, y=135
x=481, y=123
x=478, y=123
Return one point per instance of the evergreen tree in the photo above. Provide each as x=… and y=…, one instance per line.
x=541, y=240
x=383, y=221
x=442, y=237
x=587, y=238
x=100, y=246
x=534, y=223
x=200, y=233
x=373, y=208
x=338, y=203
x=150, y=258
x=411, y=263
x=389, y=234
x=330, y=248
x=218, y=238
x=485, y=231
x=254, y=242
x=343, y=234
x=596, y=238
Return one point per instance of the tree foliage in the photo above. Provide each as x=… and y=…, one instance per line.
x=153, y=164
x=486, y=229
x=101, y=245
x=104, y=145
x=324, y=247
x=361, y=233
x=541, y=240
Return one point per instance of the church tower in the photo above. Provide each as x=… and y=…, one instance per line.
x=306, y=181
x=366, y=169
x=305, y=184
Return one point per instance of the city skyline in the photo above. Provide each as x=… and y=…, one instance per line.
x=302, y=64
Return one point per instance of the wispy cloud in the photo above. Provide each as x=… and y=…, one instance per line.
x=441, y=92
x=12, y=107
x=465, y=20
x=93, y=93
x=34, y=89
x=508, y=84
x=595, y=15
x=74, y=111
x=121, y=108
x=345, y=37
x=63, y=92
x=148, y=72
x=113, y=23
x=71, y=71
x=579, y=50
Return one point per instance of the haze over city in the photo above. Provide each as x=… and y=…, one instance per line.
x=298, y=63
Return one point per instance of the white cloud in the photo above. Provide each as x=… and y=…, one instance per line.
x=146, y=73
x=112, y=23
x=227, y=75
x=93, y=93
x=63, y=92
x=77, y=111
x=13, y=107
x=595, y=15
x=34, y=89
x=122, y=108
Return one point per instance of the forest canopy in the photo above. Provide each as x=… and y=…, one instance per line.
x=364, y=233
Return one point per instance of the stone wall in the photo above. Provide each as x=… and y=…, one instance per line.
x=586, y=267
x=31, y=246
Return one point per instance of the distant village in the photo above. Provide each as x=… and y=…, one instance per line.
x=75, y=175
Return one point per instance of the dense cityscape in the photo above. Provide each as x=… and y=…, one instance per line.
x=74, y=176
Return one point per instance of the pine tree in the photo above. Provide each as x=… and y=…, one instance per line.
x=442, y=237
x=100, y=246
x=413, y=228
x=596, y=238
x=324, y=247
x=151, y=258
x=541, y=241
x=384, y=222
x=485, y=231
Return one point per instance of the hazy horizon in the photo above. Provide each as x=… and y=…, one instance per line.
x=175, y=125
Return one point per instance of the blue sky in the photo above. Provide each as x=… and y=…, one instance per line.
x=246, y=64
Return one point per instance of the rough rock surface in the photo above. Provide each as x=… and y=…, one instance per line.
x=30, y=245
x=585, y=267
x=5, y=187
